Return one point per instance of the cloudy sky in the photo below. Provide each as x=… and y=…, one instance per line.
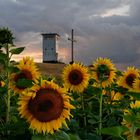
x=102, y=28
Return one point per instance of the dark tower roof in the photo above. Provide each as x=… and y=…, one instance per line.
x=50, y=34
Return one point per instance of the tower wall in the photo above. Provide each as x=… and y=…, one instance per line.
x=50, y=47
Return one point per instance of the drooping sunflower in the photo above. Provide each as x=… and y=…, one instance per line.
x=104, y=71
x=27, y=71
x=129, y=125
x=136, y=85
x=75, y=77
x=47, y=109
x=128, y=78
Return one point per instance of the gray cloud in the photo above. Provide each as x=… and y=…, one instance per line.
x=116, y=36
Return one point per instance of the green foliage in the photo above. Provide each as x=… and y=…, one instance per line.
x=17, y=50
x=3, y=59
x=24, y=83
x=14, y=128
x=115, y=131
x=135, y=95
x=60, y=135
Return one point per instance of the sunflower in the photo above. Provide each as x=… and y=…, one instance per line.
x=27, y=71
x=2, y=84
x=128, y=78
x=129, y=125
x=104, y=71
x=112, y=96
x=75, y=77
x=136, y=85
x=135, y=105
x=115, y=96
x=47, y=109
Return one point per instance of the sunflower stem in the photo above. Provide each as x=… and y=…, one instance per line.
x=100, y=110
x=8, y=91
x=133, y=132
x=83, y=108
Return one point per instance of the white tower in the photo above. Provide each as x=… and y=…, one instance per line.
x=50, y=47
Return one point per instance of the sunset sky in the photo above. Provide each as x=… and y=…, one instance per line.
x=103, y=28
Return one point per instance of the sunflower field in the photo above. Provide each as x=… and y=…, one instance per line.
x=88, y=103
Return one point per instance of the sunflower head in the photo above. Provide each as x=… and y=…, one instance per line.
x=128, y=78
x=2, y=84
x=26, y=61
x=75, y=77
x=136, y=85
x=104, y=71
x=48, y=110
x=116, y=96
x=137, y=133
x=27, y=72
x=134, y=106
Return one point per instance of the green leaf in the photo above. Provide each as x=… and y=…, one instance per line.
x=3, y=56
x=2, y=62
x=74, y=137
x=93, y=90
x=42, y=137
x=24, y=83
x=115, y=131
x=119, y=73
x=3, y=59
x=61, y=135
x=2, y=89
x=14, y=119
x=136, y=95
x=1, y=45
x=93, y=136
x=137, y=124
x=13, y=69
x=17, y=50
x=130, y=118
x=92, y=121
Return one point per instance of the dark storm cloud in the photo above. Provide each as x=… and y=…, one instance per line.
x=116, y=36
x=37, y=15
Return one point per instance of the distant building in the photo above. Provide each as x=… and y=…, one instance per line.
x=50, y=47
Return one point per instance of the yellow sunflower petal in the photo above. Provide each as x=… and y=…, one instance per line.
x=107, y=74
x=49, y=95
x=128, y=78
x=75, y=77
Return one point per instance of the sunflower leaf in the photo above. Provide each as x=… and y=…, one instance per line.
x=62, y=136
x=17, y=50
x=115, y=131
x=24, y=83
x=3, y=56
x=13, y=69
x=2, y=62
x=41, y=137
x=2, y=89
x=136, y=95
x=74, y=137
